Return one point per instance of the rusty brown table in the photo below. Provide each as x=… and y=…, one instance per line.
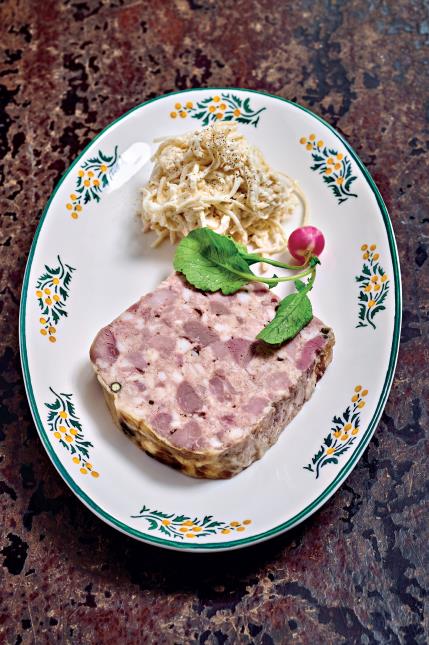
x=356, y=572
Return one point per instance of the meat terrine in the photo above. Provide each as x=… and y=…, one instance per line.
x=185, y=378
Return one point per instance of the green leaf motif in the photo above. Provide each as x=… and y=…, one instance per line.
x=65, y=427
x=52, y=291
x=181, y=526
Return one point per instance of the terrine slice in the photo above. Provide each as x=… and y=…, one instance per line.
x=185, y=378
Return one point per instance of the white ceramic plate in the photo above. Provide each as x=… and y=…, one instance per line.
x=90, y=260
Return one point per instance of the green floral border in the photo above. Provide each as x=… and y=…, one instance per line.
x=64, y=425
x=373, y=284
x=335, y=167
x=92, y=178
x=52, y=291
x=341, y=436
x=180, y=526
x=218, y=107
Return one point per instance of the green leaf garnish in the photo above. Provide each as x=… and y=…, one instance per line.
x=293, y=313
x=212, y=262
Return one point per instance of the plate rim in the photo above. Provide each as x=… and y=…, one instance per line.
x=342, y=474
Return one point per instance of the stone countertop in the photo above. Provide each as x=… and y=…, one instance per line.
x=355, y=572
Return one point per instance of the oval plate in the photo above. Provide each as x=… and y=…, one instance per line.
x=90, y=260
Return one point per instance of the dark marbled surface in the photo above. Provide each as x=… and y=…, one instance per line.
x=356, y=572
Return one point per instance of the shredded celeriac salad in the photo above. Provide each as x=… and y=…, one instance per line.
x=214, y=178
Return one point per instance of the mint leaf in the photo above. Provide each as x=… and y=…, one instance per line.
x=293, y=313
x=211, y=262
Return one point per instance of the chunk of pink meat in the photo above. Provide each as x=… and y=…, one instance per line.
x=197, y=332
x=188, y=436
x=162, y=343
x=308, y=353
x=104, y=347
x=240, y=349
x=161, y=422
x=255, y=405
x=188, y=399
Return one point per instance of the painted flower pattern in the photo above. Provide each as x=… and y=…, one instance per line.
x=342, y=435
x=220, y=107
x=52, y=291
x=180, y=526
x=64, y=425
x=373, y=284
x=92, y=178
x=335, y=167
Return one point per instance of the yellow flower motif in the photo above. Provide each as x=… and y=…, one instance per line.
x=63, y=414
x=234, y=524
x=337, y=166
x=69, y=207
x=222, y=106
x=371, y=303
x=52, y=339
x=173, y=115
x=355, y=398
x=183, y=114
x=373, y=247
x=212, y=108
x=377, y=287
x=355, y=431
x=309, y=146
x=367, y=288
x=80, y=173
x=43, y=332
x=344, y=437
x=95, y=474
x=247, y=522
x=39, y=293
x=376, y=256
x=216, y=99
x=47, y=291
x=183, y=529
x=347, y=427
x=83, y=471
x=329, y=160
x=177, y=106
x=312, y=137
x=340, y=156
x=364, y=247
x=384, y=277
x=57, y=435
x=42, y=321
x=52, y=330
x=96, y=182
x=48, y=301
x=165, y=522
x=189, y=105
x=320, y=144
x=187, y=523
x=196, y=529
x=374, y=278
x=361, y=404
x=103, y=167
x=364, y=393
x=219, y=115
x=303, y=140
x=62, y=429
x=329, y=451
x=56, y=298
x=237, y=112
x=55, y=281
x=337, y=434
x=340, y=180
x=73, y=431
x=76, y=460
x=226, y=531
x=328, y=171
x=365, y=256
x=358, y=388
x=241, y=528
x=78, y=208
x=190, y=535
x=68, y=438
x=73, y=197
x=87, y=183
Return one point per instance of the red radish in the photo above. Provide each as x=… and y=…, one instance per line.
x=305, y=242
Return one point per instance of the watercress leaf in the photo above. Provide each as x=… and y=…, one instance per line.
x=293, y=313
x=299, y=285
x=211, y=262
x=251, y=258
x=314, y=260
x=274, y=284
